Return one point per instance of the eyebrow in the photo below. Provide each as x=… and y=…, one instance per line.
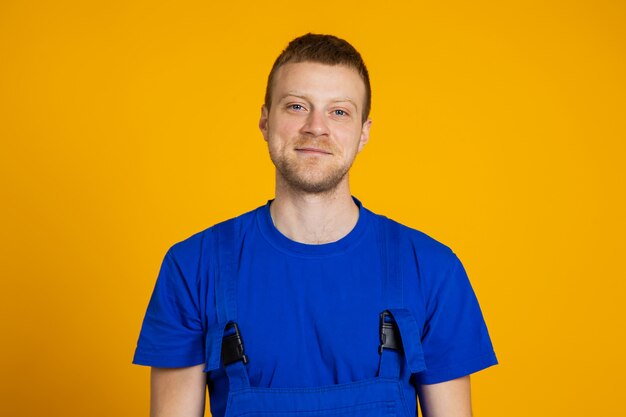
x=338, y=100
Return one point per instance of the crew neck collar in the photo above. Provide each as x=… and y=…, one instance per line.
x=284, y=244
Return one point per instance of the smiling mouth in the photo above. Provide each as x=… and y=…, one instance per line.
x=313, y=151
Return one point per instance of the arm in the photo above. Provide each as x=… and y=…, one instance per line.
x=177, y=392
x=446, y=399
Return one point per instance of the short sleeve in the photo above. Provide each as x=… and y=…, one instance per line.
x=172, y=331
x=455, y=339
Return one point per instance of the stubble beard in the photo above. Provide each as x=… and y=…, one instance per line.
x=305, y=176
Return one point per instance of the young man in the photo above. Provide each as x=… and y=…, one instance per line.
x=339, y=311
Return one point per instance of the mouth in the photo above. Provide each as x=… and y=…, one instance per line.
x=312, y=151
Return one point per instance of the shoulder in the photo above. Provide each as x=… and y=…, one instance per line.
x=199, y=244
x=419, y=245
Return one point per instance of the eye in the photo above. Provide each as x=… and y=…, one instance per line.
x=340, y=113
x=297, y=107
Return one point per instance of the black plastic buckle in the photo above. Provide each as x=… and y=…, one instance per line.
x=232, y=346
x=389, y=333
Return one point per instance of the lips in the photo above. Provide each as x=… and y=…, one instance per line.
x=313, y=151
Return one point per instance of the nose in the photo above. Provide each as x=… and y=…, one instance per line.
x=316, y=124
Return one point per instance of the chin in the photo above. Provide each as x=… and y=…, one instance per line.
x=310, y=185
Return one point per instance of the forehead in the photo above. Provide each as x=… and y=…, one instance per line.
x=319, y=81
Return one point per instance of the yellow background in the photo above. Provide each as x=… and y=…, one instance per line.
x=126, y=126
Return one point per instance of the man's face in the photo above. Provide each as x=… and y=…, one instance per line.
x=314, y=128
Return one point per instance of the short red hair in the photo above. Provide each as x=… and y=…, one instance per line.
x=323, y=49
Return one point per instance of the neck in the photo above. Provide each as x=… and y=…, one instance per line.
x=314, y=218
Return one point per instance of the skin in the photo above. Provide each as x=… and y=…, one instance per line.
x=447, y=399
x=314, y=132
x=177, y=392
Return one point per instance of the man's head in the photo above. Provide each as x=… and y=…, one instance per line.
x=317, y=122
x=322, y=49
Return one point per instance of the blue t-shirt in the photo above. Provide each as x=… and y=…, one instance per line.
x=309, y=314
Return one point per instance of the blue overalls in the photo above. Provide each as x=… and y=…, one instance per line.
x=383, y=395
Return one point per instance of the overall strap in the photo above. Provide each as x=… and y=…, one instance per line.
x=227, y=341
x=226, y=285
x=393, y=294
x=400, y=335
x=390, y=352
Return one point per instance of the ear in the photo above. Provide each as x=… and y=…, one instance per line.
x=365, y=134
x=263, y=122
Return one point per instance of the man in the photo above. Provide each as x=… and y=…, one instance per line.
x=339, y=311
